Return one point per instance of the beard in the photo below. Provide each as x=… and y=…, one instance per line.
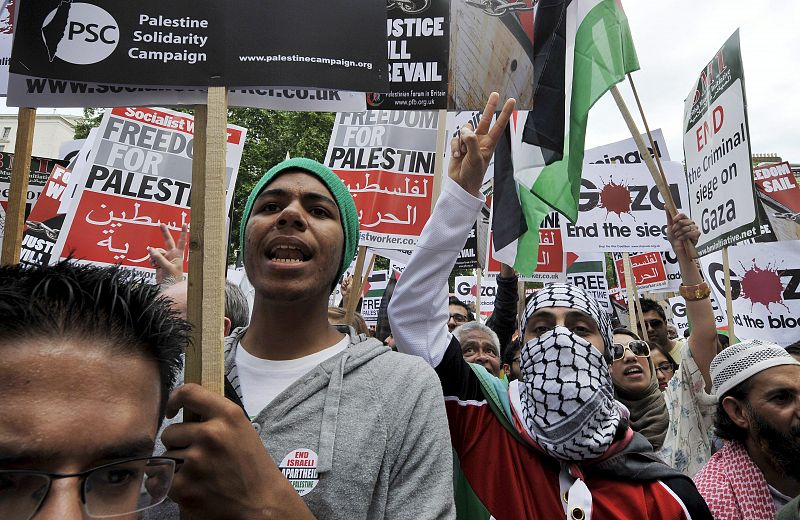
x=782, y=448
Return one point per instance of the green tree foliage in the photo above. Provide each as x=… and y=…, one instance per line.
x=270, y=136
x=91, y=119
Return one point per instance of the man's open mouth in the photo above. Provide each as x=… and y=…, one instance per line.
x=287, y=254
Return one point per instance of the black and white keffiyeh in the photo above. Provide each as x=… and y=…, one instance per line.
x=567, y=396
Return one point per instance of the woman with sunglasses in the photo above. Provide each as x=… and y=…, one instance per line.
x=632, y=372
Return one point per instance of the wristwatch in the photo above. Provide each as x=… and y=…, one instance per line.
x=693, y=293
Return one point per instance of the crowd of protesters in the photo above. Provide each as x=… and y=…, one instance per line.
x=552, y=413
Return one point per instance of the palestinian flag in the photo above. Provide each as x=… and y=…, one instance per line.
x=581, y=49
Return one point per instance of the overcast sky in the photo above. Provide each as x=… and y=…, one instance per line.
x=675, y=39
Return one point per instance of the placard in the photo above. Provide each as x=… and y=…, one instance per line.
x=716, y=144
x=183, y=42
x=765, y=289
x=387, y=160
x=621, y=209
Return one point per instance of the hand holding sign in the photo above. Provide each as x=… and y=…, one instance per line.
x=226, y=473
x=681, y=229
x=472, y=150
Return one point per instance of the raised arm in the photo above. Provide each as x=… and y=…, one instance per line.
x=418, y=310
x=703, y=339
x=503, y=320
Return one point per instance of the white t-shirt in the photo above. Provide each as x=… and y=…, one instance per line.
x=262, y=380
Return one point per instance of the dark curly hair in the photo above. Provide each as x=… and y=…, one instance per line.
x=87, y=303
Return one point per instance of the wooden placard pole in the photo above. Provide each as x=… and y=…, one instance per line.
x=728, y=297
x=640, y=313
x=660, y=180
x=438, y=165
x=207, y=251
x=629, y=288
x=358, y=282
x=478, y=276
x=18, y=193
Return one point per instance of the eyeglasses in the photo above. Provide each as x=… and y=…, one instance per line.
x=116, y=489
x=654, y=323
x=665, y=368
x=458, y=318
x=637, y=347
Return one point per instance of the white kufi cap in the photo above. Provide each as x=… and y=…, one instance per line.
x=743, y=360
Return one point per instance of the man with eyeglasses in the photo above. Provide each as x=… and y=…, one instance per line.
x=89, y=357
x=459, y=313
x=557, y=441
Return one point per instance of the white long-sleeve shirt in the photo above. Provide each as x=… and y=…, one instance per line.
x=418, y=310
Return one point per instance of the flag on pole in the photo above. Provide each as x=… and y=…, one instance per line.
x=581, y=49
x=597, y=53
x=516, y=213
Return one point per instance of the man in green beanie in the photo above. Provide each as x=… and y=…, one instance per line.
x=335, y=425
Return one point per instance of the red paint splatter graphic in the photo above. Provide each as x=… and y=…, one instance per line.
x=7, y=18
x=762, y=286
x=473, y=290
x=615, y=198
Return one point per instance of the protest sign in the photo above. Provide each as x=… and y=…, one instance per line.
x=44, y=223
x=626, y=152
x=765, y=289
x=387, y=160
x=373, y=289
x=28, y=91
x=138, y=176
x=2, y=224
x=647, y=269
x=550, y=262
x=621, y=209
x=6, y=39
x=37, y=177
x=678, y=307
x=716, y=144
x=588, y=271
x=181, y=42
x=418, y=33
x=673, y=270
x=466, y=289
x=777, y=182
x=491, y=48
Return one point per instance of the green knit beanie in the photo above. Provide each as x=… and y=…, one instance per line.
x=347, y=208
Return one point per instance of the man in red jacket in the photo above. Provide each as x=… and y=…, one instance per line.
x=555, y=444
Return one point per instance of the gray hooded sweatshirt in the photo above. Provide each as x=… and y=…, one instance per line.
x=376, y=422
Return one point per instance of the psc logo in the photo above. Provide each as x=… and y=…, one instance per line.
x=80, y=33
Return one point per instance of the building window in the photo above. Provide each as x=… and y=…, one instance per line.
x=6, y=132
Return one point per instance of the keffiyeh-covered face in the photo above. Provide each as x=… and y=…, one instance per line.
x=567, y=396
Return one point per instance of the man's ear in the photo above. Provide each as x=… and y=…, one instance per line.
x=736, y=412
x=506, y=368
x=227, y=326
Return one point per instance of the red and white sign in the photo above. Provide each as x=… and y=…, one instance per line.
x=387, y=159
x=647, y=270
x=777, y=182
x=136, y=178
x=549, y=265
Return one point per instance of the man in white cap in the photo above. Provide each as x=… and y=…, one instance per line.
x=758, y=470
